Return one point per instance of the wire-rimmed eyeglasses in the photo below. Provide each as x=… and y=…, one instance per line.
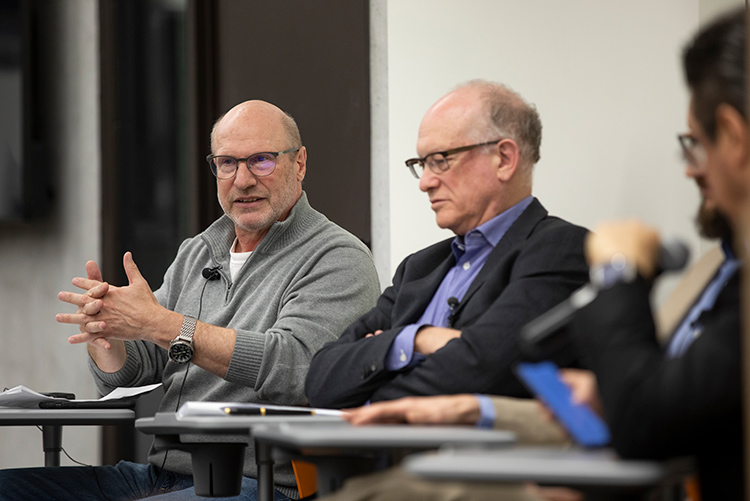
x=438, y=161
x=692, y=151
x=260, y=164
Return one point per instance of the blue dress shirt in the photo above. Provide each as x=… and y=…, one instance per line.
x=471, y=252
x=691, y=328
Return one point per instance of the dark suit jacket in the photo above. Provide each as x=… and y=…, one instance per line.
x=536, y=265
x=658, y=407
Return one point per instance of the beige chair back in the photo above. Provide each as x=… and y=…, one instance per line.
x=677, y=304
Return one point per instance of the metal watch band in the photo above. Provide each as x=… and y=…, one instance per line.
x=188, y=328
x=617, y=270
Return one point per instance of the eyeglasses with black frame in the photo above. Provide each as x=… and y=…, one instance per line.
x=692, y=151
x=260, y=164
x=438, y=161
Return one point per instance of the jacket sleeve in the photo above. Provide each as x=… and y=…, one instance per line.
x=344, y=373
x=525, y=418
x=659, y=407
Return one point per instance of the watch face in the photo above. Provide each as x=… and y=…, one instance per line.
x=180, y=352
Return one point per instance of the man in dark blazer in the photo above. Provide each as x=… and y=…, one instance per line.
x=688, y=404
x=449, y=323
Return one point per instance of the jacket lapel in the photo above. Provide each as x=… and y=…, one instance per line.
x=421, y=282
x=518, y=232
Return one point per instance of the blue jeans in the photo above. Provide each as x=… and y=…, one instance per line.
x=125, y=482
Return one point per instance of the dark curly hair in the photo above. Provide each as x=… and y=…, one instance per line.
x=714, y=63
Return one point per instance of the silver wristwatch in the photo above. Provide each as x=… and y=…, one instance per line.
x=181, y=348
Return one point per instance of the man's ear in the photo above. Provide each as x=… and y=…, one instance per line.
x=733, y=140
x=509, y=156
x=733, y=145
x=300, y=163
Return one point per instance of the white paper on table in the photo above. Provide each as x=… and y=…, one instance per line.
x=21, y=396
x=127, y=392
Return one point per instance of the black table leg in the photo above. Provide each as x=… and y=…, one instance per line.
x=217, y=467
x=52, y=444
x=264, y=461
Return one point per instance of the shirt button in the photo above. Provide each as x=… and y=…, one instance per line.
x=467, y=265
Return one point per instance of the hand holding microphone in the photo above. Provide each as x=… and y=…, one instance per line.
x=615, y=252
x=635, y=244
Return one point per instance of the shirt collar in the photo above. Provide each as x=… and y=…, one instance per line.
x=494, y=229
x=726, y=247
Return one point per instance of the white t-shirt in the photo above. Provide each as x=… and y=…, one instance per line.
x=236, y=260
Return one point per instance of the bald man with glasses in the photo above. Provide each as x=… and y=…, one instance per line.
x=242, y=308
x=450, y=321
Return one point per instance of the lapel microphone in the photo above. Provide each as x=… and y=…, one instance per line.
x=211, y=273
x=452, y=304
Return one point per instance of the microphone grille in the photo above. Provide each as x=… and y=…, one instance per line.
x=674, y=254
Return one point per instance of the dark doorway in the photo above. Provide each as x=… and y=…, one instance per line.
x=312, y=60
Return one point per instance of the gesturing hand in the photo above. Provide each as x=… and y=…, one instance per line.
x=117, y=312
x=89, y=303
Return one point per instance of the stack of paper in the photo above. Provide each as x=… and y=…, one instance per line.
x=21, y=396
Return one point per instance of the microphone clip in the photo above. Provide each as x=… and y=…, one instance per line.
x=211, y=273
x=452, y=304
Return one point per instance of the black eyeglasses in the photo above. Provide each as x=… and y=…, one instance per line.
x=692, y=150
x=260, y=164
x=438, y=161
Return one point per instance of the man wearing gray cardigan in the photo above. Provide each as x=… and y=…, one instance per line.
x=242, y=309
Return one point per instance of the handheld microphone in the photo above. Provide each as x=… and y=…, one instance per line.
x=211, y=273
x=673, y=255
x=543, y=330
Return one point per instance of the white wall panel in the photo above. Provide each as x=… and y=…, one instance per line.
x=605, y=77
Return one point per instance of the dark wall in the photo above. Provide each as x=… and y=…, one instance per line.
x=312, y=60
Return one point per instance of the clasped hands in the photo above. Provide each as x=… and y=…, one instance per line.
x=106, y=312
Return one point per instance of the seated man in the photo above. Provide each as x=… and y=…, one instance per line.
x=449, y=323
x=689, y=403
x=680, y=400
x=241, y=310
